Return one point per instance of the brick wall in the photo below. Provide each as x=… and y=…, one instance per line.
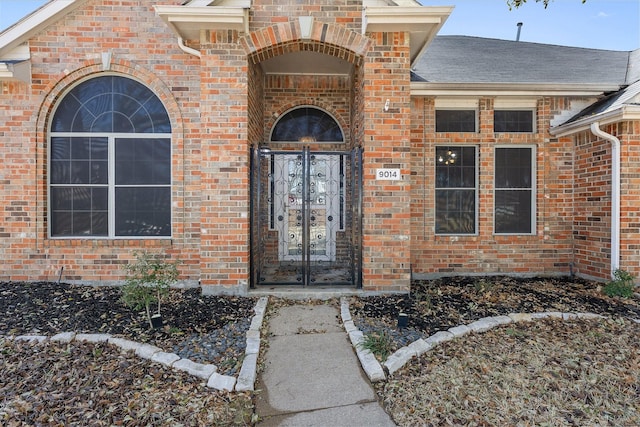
x=547, y=251
x=629, y=133
x=221, y=104
x=141, y=47
x=593, y=201
x=224, y=242
x=347, y=13
x=386, y=204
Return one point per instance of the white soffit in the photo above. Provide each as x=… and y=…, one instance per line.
x=422, y=22
x=188, y=21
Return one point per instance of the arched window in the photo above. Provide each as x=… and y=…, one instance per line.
x=306, y=124
x=110, y=162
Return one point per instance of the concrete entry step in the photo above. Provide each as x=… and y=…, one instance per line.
x=311, y=375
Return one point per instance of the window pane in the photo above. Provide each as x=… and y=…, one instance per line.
x=513, y=121
x=513, y=211
x=455, y=190
x=79, y=211
x=455, y=121
x=307, y=122
x=513, y=190
x=513, y=168
x=79, y=161
x=144, y=211
x=111, y=104
x=455, y=167
x=143, y=161
x=455, y=211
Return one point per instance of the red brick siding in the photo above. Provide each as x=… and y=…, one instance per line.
x=548, y=251
x=222, y=103
x=346, y=13
x=224, y=244
x=386, y=204
x=66, y=51
x=593, y=201
x=629, y=134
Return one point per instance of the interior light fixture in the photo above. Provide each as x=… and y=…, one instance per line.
x=449, y=159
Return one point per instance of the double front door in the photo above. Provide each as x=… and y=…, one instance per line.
x=306, y=217
x=308, y=205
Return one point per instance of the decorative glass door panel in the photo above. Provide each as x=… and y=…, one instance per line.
x=306, y=191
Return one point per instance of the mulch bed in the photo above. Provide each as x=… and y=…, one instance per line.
x=437, y=305
x=81, y=383
x=47, y=308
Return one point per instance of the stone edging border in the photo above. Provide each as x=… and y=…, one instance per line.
x=379, y=372
x=208, y=372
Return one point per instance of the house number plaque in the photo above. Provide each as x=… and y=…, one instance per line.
x=388, y=175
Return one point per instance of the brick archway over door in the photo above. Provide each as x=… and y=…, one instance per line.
x=324, y=38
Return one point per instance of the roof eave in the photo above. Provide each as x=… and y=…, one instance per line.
x=19, y=71
x=422, y=23
x=510, y=89
x=26, y=28
x=624, y=113
x=15, y=54
x=187, y=22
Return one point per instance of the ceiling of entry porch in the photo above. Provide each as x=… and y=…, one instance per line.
x=306, y=63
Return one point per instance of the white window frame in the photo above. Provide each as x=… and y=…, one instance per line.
x=458, y=104
x=111, y=138
x=533, y=189
x=524, y=104
x=476, y=191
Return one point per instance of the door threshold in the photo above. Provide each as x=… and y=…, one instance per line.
x=299, y=292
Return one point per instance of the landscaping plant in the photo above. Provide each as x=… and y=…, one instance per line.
x=378, y=343
x=148, y=281
x=622, y=284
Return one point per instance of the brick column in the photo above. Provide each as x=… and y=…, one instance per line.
x=387, y=215
x=224, y=166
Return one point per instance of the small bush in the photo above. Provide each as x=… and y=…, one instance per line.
x=148, y=281
x=622, y=285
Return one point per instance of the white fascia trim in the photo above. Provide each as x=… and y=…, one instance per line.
x=5, y=73
x=507, y=89
x=625, y=113
x=205, y=18
x=23, y=30
x=395, y=18
x=422, y=23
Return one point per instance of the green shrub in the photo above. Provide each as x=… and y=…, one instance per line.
x=148, y=282
x=622, y=285
x=378, y=343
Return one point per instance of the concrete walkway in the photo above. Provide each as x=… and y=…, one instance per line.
x=312, y=376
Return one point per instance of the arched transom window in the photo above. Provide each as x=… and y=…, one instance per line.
x=110, y=162
x=307, y=124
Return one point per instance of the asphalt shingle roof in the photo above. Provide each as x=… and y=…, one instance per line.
x=466, y=59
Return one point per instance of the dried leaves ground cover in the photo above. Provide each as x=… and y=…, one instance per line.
x=96, y=384
x=555, y=373
x=545, y=372
x=437, y=305
x=549, y=372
